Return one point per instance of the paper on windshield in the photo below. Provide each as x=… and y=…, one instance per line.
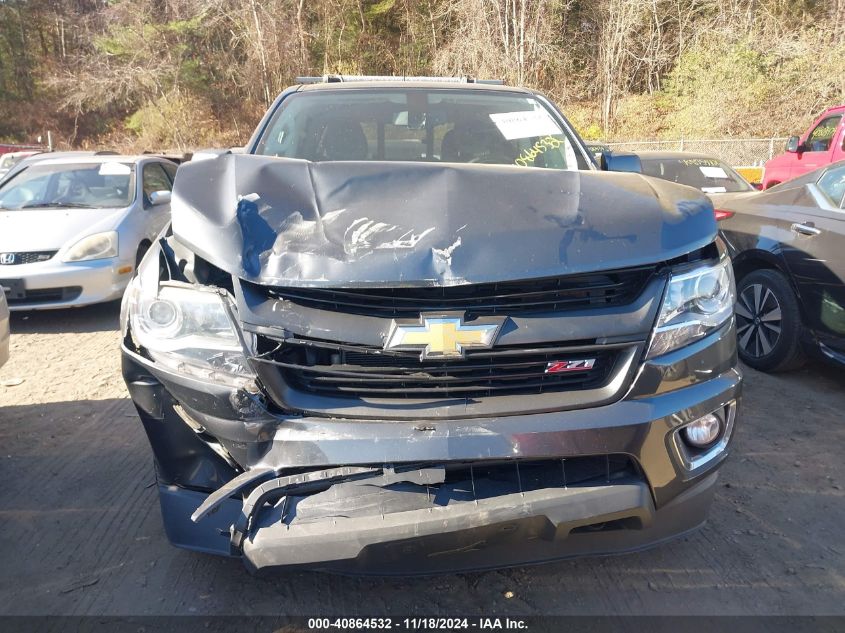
x=714, y=190
x=713, y=172
x=114, y=169
x=525, y=124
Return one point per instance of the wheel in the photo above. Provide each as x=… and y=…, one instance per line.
x=768, y=322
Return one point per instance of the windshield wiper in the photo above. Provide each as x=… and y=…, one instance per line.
x=56, y=205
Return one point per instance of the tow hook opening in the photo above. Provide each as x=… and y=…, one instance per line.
x=628, y=523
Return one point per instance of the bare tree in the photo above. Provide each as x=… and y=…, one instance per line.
x=510, y=39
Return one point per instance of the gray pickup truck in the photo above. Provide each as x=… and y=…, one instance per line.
x=415, y=327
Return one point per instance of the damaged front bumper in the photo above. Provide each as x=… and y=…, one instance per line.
x=369, y=496
x=512, y=529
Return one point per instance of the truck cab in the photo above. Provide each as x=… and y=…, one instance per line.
x=821, y=144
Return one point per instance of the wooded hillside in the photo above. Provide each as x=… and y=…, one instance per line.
x=184, y=73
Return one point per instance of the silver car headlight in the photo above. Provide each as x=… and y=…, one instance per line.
x=97, y=246
x=696, y=303
x=190, y=330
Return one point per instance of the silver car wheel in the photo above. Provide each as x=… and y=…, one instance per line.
x=758, y=315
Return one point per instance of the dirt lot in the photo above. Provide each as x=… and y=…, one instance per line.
x=82, y=532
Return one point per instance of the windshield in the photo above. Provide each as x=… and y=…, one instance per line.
x=420, y=125
x=89, y=186
x=709, y=175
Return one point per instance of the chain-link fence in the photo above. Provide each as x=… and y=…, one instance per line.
x=734, y=151
x=6, y=148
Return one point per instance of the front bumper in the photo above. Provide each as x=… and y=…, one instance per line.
x=519, y=529
x=203, y=435
x=54, y=284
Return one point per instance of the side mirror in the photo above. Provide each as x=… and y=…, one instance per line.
x=159, y=197
x=620, y=162
x=793, y=145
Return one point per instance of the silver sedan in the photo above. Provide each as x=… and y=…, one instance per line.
x=74, y=228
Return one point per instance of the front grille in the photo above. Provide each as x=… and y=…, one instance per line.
x=31, y=257
x=15, y=295
x=464, y=482
x=355, y=371
x=518, y=475
x=550, y=294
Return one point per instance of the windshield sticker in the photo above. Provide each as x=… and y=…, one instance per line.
x=697, y=162
x=114, y=169
x=713, y=172
x=527, y=156
x=525, y=124
x=714, y=190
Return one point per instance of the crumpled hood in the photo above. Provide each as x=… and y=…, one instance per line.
x=296, y=223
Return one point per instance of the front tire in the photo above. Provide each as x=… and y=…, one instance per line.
x=768, y=322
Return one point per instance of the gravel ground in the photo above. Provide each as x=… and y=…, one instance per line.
x=82, y=533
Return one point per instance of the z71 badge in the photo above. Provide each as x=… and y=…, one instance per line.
x=560, y=366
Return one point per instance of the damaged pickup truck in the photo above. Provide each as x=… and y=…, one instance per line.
x=413, y=328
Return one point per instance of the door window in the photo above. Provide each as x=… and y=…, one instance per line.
x=155, y=179
x=832, y=184
x=820, y=138
x=171, y=170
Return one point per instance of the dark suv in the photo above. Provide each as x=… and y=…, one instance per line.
x=415, y=328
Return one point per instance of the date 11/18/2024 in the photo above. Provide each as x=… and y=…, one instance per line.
x=417, y=624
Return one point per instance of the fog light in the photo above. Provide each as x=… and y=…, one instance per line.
x=704, y=431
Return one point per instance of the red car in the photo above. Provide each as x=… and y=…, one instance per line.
x=823, y=143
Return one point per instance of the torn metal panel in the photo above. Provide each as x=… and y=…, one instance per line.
x=315, y=481
x=537, y=525
x=296, y=223
x=384, y=476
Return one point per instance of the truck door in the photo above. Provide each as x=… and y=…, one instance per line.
x=838, y=152
x=818, y=146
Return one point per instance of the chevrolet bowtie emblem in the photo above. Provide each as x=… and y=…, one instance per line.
x=443, y=336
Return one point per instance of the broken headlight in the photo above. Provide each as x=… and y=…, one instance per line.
x=188, y=329
x=696, y=303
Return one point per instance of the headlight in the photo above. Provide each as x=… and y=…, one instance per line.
x=188, y=330
x=97, y=246
x=696, y=303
